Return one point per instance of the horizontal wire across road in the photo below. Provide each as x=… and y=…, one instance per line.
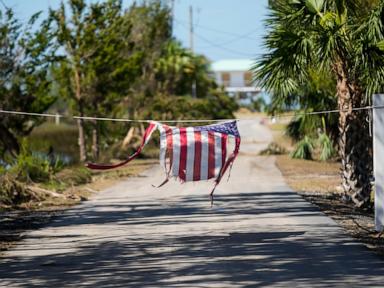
x=181, y=120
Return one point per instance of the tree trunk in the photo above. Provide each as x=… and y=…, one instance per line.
x=9, y=141
x=95, y=140
x=80, y=122
x=81, y=140
x=355, y=143
x=142, y=129
x=128, y=137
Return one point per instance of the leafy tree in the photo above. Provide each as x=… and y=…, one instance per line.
x=167, y=72
x=140, y=37
x=114, y=65
x=338, y=36
x=177, y=68
x=199, y=73
x=25, y=82
x=98, y=65
x=151, y=32
x=72, y=34
x=126, y=64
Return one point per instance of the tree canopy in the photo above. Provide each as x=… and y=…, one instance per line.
x=100, y=59
x=25, y=79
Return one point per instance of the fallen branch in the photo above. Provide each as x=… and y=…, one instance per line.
x=359, y=226
x=38, y=190
x=90, y=190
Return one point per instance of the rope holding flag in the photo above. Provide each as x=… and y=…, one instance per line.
x=147, y=135
x=190, y=153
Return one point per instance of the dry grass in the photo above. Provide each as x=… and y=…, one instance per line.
x=105, y=179
x=306, y=175
x=278, y=133
x=279, y=127
x=76, y=192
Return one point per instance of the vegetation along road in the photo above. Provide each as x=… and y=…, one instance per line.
x=258, y=233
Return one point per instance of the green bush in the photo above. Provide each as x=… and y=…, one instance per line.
x=303, y=149
x=35, y=166
x=2, y=170
x=303, y=125
x=28, y=167
x=56, y=162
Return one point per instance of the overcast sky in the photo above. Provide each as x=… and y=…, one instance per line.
x=224, y=29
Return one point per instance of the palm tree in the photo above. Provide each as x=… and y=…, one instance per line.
x=340, y=36
x=172, y=65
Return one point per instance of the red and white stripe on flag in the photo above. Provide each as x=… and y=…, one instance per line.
x=191, y=154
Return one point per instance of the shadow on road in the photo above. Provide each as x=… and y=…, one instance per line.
x=243, y=259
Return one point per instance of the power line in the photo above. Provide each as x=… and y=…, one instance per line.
x=246, y=36
x=215, y=44
x=223, y=48
x=5, y=6
x=237, y=38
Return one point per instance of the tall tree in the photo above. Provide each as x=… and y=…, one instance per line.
x=25, y=61
x=96, y=61
x=151, y=31
x=72, y=35
x=177, y=68
x=341, y=36
x=113, y=67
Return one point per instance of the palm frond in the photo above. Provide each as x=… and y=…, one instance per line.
x=326, y=147
x=282, y=69
x=303, y=149
x=369, y=55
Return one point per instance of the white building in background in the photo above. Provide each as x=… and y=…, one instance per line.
x=236, y=78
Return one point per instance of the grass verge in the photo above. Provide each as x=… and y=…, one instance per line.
x=308, y=175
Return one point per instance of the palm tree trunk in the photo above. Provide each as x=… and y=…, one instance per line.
x=354, y=142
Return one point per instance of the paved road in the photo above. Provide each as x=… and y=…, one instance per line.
x=258, y=234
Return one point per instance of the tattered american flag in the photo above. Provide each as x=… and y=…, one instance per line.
x=190, y=153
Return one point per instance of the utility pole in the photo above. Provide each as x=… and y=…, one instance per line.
x=172, y=13
x=191, y=44
x=191, y=28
